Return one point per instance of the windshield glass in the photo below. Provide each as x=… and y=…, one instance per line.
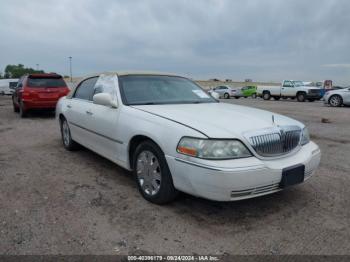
x=46, y=82
x=144, y=89
x=298, y=83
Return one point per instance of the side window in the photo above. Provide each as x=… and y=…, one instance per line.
x=287, y=84
x=20, y=83
x=85, y=89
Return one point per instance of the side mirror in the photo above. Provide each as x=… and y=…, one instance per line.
x=215, y=95
x=104, y=99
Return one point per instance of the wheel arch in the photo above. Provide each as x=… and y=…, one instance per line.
x=134, y=142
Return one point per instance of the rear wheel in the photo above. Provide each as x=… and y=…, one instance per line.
x=301, y=97
x=15, y=108
x=237, y=97
x=335, y=101
x=67, y=140
x=226, y=96
x=266, y=95
x=22, y=110
x=254, y=96
x=152, y=174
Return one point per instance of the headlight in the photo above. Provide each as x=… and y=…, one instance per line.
x=212, y=148
x=305, y=136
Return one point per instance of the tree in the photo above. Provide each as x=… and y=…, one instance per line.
x=16, y=71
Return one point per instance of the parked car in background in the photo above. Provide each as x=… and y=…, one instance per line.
x=224, y=91
x=6, y=86
x=246, y=91
x=290, y=89
x=38, y=91
x=175, y=137
x=336, y=98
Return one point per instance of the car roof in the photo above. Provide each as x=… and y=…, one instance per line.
x=44, y=75
x=124, y=73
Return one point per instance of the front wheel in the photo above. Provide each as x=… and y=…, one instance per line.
x=226, y=96
x=67, y=140
x=254, y=96
x=152, y=174
x=335, y=101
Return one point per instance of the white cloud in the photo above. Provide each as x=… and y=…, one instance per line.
x=259, y=39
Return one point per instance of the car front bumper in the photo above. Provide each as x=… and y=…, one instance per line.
x=230, y=180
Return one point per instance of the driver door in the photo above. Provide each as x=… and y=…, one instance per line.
x=288, y=88
x=103, y=120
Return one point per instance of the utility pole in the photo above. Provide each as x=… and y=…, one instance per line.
x=70, y=69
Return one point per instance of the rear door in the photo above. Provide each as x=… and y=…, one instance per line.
x=17, y=92
x=79, y=112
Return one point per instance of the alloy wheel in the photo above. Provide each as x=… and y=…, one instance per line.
x=65, y=133
x=148, y=173
x=335, y=101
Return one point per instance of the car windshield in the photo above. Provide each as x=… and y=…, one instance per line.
x=298, y=83
x=46, y=82
x=151, y=89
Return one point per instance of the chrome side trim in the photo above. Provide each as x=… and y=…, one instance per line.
x=107, y=137
x=220, y=169
x=256, y=190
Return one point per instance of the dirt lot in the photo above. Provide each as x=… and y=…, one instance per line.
x=57, y=202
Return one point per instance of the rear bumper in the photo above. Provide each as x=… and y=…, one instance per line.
x=32, y=104
x=314, y=96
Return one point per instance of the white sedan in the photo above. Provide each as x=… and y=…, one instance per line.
x=175, y=137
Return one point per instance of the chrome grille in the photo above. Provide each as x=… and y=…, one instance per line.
x=275, y=141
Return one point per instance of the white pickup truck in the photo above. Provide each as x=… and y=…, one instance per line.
x=290, y=89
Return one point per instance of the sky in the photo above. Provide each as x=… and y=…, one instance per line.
x=265, y=40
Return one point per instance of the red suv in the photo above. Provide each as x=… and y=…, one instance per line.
x=38, y=91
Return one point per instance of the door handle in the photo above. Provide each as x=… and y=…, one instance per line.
x=89, y=113
x=69, y=106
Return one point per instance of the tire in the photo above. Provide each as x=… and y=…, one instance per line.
x=266, y=96
x=226, y=96
x=67, y=140
x=311, y=100
x=335, y=101
x=237, y=97
x=277, y=98
x=156, y=186
x=15, y=108
x=22, y=110
x=254, y=96
x=301, y=97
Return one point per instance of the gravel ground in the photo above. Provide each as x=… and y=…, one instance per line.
x=57, y=202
